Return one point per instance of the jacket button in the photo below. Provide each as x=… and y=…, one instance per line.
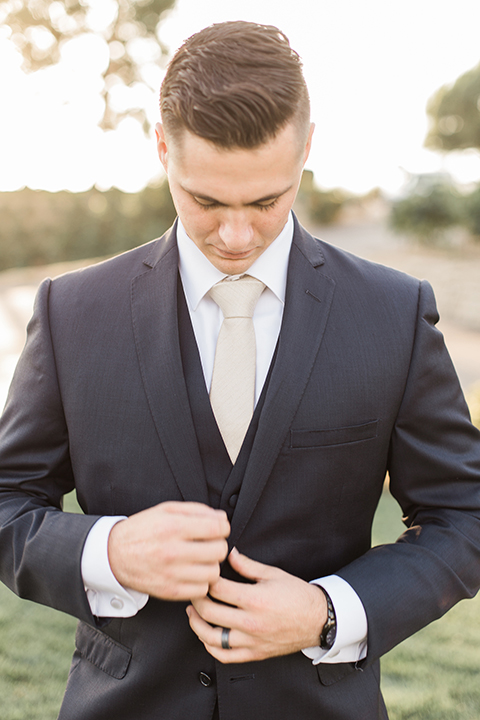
x=233, y=500
x=205, y=679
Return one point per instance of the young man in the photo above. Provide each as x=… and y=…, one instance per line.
x=226, y=401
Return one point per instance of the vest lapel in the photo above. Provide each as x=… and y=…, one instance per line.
x=307, y=306
x=155, y=324
x=216, y=462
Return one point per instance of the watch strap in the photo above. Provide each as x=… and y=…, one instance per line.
x=329, y=630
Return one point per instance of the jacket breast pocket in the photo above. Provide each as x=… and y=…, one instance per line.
x=333, y=436
x=109, y=656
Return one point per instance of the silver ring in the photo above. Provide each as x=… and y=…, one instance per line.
x=225, y=638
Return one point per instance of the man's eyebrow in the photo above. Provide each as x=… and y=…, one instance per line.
x=273, y=196
x=207, y=198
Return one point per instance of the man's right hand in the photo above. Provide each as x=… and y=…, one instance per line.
x=171, y=551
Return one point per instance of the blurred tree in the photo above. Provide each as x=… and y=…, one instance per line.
x=471, y=213
x=454, y=111
x=319, y=206
x=427, y=212
x=40, y=29
x=38, y=227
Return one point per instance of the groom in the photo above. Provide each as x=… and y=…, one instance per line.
x=226, y=401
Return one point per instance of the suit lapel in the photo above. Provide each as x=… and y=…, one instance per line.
x=155, y=325
x=307, y=305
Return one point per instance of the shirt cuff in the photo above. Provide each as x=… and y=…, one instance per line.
x=106, y=597
x=352, y=629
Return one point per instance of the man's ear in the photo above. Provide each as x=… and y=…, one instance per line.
x=309, y=143
x=162, y=148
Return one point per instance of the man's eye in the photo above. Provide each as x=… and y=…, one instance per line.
x=204, y=204
x=269, y=205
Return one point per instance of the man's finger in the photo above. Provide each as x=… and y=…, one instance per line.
x=205, y=528
x=211, y=635
x=247, y=567
x=231, y=592
x=195, y=526
x=216, y=613
x=208, y=634
x=241, y=649
x=191, y=508
x=184, y=552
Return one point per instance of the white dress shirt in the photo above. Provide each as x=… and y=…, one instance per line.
x=107, y=598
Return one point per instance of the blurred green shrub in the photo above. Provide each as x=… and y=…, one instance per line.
x=426, y=212
x=471, y=213
x=325, y=205
x=38, y=227
x=429, y=210
x=319, y=206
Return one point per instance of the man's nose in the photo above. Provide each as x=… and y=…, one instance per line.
x=237, y=233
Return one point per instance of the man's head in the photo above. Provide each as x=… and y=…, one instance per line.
x=235, y=84
x=235, y=136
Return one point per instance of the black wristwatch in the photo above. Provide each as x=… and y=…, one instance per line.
x=329, y=631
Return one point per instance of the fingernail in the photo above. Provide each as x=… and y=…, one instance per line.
x=188, y=610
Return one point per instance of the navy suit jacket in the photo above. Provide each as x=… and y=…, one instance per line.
x=361, y=385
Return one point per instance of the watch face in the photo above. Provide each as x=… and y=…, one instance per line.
x=330, y=639
x=328, y=636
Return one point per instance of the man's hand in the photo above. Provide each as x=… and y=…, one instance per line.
x=278, y=615
x=171, y=551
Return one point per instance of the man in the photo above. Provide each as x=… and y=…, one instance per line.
x=223, y=565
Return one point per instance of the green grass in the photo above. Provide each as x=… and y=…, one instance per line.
x=36, y=646
x=432, y=676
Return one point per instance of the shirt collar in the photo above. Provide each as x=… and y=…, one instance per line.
x=199, y=275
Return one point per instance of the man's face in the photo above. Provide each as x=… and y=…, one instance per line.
x=233, y=203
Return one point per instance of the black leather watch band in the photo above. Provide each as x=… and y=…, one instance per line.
x=329, y=630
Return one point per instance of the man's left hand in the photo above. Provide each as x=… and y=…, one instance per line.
x=279, y=614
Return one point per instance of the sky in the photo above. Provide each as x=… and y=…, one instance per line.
x=370, y=65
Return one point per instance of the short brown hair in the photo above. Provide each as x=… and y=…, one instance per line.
x=236, y=84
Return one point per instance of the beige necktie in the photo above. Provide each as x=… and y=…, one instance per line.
x=232, y=393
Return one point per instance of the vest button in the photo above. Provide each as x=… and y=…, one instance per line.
x=232, y=501
x=205, y=679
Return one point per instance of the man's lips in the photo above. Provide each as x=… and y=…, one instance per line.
x=234, y=256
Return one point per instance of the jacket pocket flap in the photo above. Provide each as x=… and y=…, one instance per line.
x=330, y=673
x=335, y=436
x=102, y=651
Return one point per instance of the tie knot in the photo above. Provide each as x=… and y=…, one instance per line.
x=237, y=298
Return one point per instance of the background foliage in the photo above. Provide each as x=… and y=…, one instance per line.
x=428, y=211
x=324, y=207
x=454, y=113
x=433, y=205
x=38, y=228
x=41, y=28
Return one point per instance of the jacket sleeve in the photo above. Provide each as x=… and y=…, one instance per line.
x=40, y=545
x=434, y=468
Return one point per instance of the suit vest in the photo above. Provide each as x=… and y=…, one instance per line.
x=223, y=479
